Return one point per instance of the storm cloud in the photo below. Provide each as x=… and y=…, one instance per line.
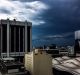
x=56, y=20
x=62, y=20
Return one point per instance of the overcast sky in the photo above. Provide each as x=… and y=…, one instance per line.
x=53, y=21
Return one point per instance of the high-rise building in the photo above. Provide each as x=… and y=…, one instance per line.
x=15, y=38
x=77, y=41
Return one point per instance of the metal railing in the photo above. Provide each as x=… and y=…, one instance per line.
x=13, y=54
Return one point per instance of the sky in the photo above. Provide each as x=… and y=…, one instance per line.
x=53, y=21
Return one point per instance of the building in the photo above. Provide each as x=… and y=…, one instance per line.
x=38, y=62
x=77, y=41
x=70, y=50
x=15, y=38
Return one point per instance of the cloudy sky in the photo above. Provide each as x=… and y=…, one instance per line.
x=54, y=21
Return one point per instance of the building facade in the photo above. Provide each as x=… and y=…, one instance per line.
x=15, y=38
x=77, y=41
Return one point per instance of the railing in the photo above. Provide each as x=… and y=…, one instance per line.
x=13, y=54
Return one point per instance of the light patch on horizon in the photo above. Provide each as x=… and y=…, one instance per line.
x=23, y=11
x=63, y=35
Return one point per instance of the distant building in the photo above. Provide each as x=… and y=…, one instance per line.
x=52, y=46
x=15, y=38
x=77, y=41
x=70, y=50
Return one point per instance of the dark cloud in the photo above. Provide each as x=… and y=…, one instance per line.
x=62, y=17
x=5, y=11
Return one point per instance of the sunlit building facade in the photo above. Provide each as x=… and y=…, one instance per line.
x=77, y=41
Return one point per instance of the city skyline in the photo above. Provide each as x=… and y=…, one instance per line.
x=54, y=21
